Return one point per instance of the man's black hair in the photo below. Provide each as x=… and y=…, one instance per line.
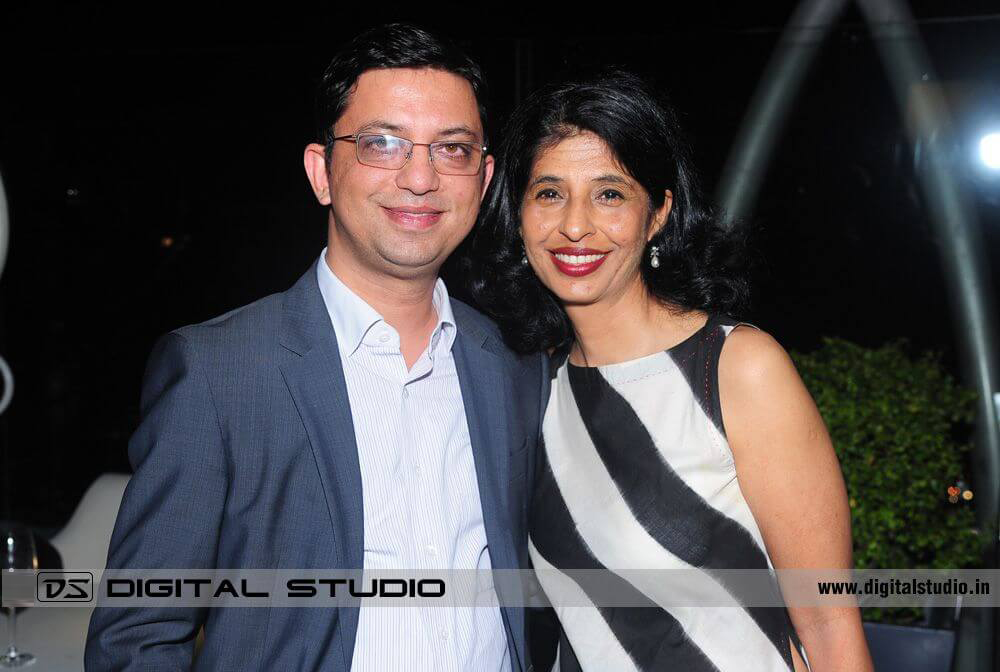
x=394, y=45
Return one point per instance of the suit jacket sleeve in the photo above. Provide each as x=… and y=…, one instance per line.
x=170, y=514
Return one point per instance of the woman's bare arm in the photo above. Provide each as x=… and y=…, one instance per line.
x=791, y=479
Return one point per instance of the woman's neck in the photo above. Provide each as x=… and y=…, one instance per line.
x=628, y=327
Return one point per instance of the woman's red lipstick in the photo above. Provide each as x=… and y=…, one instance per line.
x=577, y=261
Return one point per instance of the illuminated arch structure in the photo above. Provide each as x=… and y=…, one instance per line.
x=6, y=376
x=966, y=267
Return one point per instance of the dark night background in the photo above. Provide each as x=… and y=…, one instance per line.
x=152, y=160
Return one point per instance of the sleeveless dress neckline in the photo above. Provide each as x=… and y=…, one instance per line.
x=644, y=365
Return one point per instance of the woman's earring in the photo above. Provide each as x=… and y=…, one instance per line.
x=654, y=256
x=524, y=259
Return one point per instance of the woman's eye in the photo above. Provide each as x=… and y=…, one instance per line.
x=546, y=194
x=610, y=195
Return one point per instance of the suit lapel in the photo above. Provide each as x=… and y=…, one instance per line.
x=486, y=390
x=483, y=385
x=315, y=380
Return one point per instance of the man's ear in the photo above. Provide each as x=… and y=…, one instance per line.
x=661, y=214
x=316, y=170
x=488, y=166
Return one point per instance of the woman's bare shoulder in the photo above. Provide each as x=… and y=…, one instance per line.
x=751, y=356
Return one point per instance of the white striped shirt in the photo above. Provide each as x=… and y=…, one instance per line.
x=421, y=498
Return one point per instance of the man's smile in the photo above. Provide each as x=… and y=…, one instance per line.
x=413, y=217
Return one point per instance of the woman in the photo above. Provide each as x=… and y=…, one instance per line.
x=675, y=436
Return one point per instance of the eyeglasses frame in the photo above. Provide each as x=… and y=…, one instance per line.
x=353, y=137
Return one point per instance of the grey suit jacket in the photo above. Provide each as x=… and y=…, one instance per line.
x=246, y=458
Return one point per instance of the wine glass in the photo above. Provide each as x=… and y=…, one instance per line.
x=17, y=551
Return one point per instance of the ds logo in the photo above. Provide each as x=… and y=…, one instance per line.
x=65, y=587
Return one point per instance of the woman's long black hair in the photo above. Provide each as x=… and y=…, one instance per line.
x=702, y=264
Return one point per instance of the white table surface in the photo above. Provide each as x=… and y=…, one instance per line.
x=55, y=635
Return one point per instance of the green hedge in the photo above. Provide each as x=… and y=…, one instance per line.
x=900, y=426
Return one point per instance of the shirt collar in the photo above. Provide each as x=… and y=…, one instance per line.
x=352, y=317
x=446, y=319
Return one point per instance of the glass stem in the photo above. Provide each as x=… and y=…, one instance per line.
x=12, y=628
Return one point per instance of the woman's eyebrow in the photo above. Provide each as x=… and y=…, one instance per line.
x=617, y=179
x=610, y=177
x=545, y=178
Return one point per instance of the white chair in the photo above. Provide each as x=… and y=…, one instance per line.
x=57, y=635
x=83, y=543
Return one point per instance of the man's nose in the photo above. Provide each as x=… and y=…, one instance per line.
x=418, y=175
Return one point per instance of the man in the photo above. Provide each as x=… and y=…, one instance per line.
x=361, y=419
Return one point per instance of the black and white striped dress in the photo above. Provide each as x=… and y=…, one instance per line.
x=636, y=473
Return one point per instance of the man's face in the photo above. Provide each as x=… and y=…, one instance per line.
x=404, y=222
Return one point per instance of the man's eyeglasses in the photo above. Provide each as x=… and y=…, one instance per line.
x=387, y=151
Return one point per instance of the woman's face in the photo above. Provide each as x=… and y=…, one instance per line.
x=585, y=222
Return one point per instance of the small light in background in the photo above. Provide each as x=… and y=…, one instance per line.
x=989, y=150
x=166, y=241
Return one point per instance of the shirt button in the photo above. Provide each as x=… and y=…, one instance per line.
x=444, y=634
x=383, y=337
x=406, y=393
x=431, y=551
x=417, y=470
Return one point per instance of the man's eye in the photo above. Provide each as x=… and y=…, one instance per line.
x=456, y=149
x=379, y=145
